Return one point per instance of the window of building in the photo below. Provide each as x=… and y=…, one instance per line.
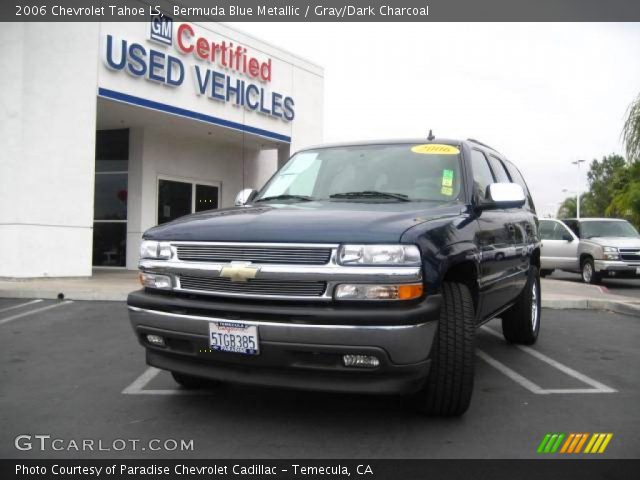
x=177, y=198
x=110, y=198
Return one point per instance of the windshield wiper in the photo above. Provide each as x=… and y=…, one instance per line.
x=371, y=194
x=303, y=198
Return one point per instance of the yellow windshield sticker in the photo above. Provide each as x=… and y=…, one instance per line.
x=448, y=191
x=447, y=178
x=435, y=149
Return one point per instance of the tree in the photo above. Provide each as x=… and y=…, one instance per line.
x=631, y=131
x=625, y=201
x=604, y=180
x=568, y=208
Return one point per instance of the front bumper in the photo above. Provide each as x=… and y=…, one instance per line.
x=300, y=346
x=618, y=268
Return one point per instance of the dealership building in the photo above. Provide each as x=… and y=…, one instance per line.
x=111, y=128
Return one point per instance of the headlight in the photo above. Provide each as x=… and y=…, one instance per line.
x=359, y=291
x=156, y=250
x=611, y=253
x=152, y=280
x=379, y=255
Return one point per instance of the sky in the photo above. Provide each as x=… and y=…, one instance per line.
x=542, y=94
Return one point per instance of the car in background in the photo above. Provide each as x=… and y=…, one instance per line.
x=593, y=247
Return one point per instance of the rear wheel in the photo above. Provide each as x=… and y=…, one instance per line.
x=589, y=274
x=448, y=389
x=192, y=383
x=521, y=323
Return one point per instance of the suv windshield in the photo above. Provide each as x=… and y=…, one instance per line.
x=389, y=173
x=607, y=228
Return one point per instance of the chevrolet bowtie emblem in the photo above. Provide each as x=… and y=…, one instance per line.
x=239, y=272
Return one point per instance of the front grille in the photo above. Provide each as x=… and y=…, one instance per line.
x=272, y=255
x=630, y=254
x=253, y=286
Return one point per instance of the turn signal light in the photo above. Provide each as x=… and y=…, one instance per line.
x=409, y=292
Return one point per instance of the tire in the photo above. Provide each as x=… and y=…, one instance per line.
x=192, y=383
x=545, y=272
x=448, y=388
x=588, y=272
x=521, y=323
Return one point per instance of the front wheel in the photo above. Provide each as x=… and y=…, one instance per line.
x=589, y=274
x=448, y=389
x=521, y=323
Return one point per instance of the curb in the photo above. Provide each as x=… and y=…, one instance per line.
x=625, y=308
x=53, y=295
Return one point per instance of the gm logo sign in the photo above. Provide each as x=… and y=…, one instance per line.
x=161, y=29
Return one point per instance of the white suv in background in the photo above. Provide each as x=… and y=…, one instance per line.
x=593, y=247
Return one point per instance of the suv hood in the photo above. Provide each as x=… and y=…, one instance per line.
x=619, y=242
x=308, y=222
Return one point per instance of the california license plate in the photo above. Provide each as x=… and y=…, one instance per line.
x=234, y=337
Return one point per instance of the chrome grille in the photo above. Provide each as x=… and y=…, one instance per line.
x=262, y=254
x=254, y=286
x=630, y=254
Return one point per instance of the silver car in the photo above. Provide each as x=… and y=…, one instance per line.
x=593, y=247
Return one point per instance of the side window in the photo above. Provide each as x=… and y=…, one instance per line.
x=573, y=225
x=482, y=176
x=498, y=170
x=546, y=230
x=517, y=178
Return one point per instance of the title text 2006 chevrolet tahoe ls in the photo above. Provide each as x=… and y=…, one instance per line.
x=357, y=268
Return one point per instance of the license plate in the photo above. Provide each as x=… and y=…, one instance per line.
x=234, y=337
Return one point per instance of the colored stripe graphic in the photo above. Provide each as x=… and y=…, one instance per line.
x=573, y=443
x=550, y=443
x=598, y=442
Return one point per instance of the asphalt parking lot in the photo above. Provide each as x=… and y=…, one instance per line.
x=73, y=370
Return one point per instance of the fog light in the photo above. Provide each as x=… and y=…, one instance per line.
x=360, y=361
x=378, y=292
x=152, y=280
x=155, y=340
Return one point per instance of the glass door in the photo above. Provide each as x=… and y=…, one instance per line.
x=177, y=198
x=110, y=198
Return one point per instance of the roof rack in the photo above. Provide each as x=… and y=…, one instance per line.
x=483, y=144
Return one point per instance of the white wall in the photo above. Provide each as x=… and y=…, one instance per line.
x=48, y=123
x=47, y=127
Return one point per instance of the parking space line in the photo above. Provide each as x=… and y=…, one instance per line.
x=30, y=302
x=598, y=387
x=512, y=374
x=31, y=312
x=137, y=386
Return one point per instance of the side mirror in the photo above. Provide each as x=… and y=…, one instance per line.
x=504, y=195
x=567, y=238
x=245, y=196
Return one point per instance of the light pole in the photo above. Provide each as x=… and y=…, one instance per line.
x=578, y=162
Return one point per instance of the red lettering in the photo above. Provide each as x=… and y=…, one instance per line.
x=254, y=67
x=184, y=48
x=202, y=48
